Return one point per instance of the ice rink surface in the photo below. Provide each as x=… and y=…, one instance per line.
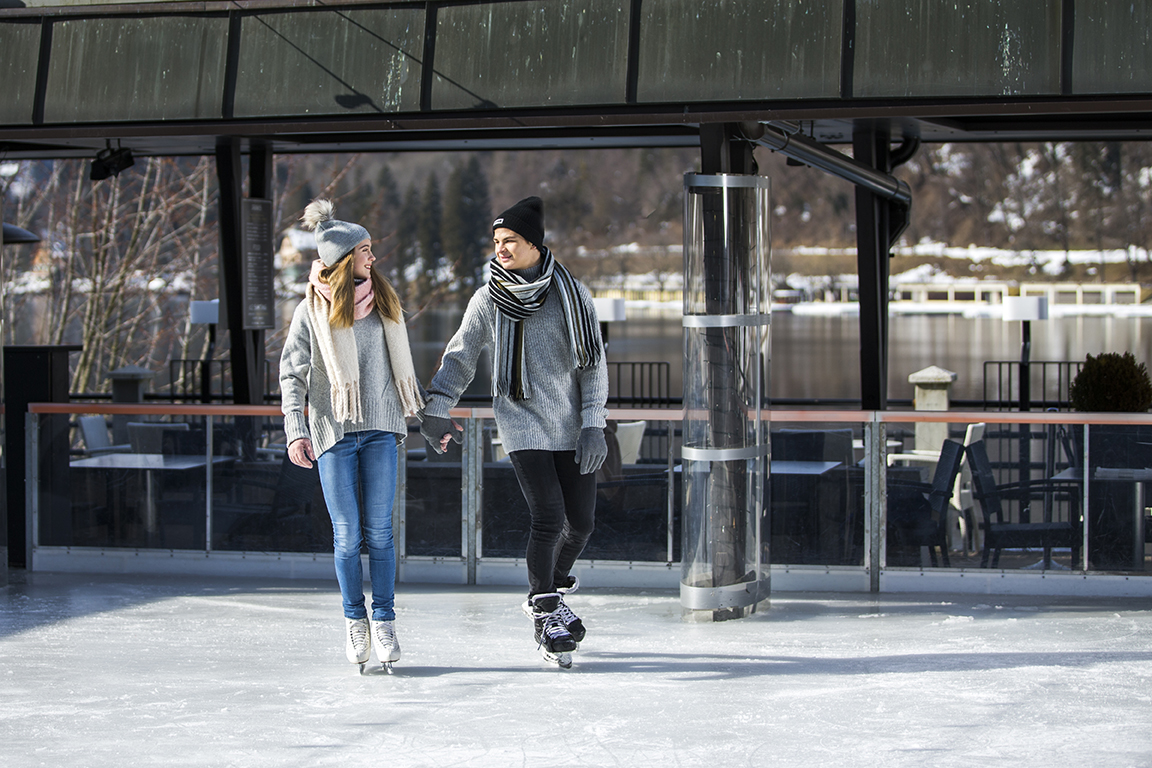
x=193, y=671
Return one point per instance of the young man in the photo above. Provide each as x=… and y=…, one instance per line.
x=549, y=388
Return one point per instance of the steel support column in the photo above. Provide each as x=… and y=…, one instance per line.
x=870, y=146
x=247, y=346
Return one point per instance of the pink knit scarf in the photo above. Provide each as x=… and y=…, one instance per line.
x=364, y=298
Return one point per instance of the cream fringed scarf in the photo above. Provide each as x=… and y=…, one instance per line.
x=338, y=351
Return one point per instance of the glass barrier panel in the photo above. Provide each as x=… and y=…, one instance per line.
x=129, y=481
x=631, y=499
x=1119, y=457
x=816, y=494
x=1014, y=502
x=261, y=501
x=504, y=520
x=433, y=503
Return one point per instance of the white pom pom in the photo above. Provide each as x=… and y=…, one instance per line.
x=317, y=211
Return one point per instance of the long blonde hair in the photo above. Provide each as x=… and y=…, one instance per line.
x=343, y=285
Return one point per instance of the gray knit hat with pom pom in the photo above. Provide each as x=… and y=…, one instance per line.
x=335, y=239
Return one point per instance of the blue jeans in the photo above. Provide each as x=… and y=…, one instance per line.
x=358, y=476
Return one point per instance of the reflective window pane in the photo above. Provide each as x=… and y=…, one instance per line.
x=330, y=62
x=136, y=69
x=434, y=502
x=134, y=481
x=920, y=48
x=261, y=501
x=1113, y=49
x=530, y=54
x=715, y=50
x=816, y=495
x=19, y=53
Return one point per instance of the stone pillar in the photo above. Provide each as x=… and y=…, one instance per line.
x=128, y=385
x=933, y=393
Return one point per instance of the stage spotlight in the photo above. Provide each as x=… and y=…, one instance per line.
x=109, y=162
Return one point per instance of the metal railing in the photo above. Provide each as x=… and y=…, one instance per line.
x=463, y=517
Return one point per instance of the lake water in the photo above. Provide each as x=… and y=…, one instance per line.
x=813, y=357
x=819, y=357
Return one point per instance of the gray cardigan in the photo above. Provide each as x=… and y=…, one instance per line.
x=303, y=378
x=564, y=400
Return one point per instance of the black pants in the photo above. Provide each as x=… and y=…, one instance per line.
x=563, y=506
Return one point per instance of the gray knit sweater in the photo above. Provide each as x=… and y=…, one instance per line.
x=564, y=400
x=303, y=378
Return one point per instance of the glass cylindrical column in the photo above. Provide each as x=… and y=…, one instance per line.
x=727, y=314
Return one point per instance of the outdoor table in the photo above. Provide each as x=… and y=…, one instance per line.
x=149, y=463
x=1136, y=476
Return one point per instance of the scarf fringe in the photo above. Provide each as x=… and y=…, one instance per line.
x=346, y=402
x=410, y=398
x=338, y=350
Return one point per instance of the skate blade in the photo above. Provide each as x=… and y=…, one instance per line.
x=563, y=660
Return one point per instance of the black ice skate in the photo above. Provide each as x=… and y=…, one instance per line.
x=552, y=636
x=571, y=620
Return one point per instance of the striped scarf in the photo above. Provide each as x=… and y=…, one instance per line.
x=516, y=299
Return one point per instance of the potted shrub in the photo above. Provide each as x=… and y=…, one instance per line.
x=1110, y=383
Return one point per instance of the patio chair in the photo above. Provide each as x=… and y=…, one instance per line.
x=918, y=513
x=962, y=514
x=1000, y=534
x=94, y=429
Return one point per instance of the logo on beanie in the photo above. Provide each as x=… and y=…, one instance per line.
x=498, y=221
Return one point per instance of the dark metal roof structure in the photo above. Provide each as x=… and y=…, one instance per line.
x=170, y=78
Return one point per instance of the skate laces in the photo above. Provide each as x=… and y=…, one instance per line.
x=386, y=634
x=553, y=628
x=358, y=633
x=566, y=615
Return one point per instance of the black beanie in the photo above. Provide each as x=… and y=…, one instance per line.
x=526, y=219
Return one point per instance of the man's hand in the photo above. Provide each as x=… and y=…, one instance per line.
x=300, y=453
x=438, y=431
x=591, y=449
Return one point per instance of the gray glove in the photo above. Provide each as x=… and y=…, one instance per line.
x=433, y=428
x=591, y=449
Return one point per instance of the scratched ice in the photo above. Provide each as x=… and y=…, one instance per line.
x=191, y=671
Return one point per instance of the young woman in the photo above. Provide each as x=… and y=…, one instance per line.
x=347, y=358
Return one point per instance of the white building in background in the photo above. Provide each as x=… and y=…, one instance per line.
x=1084, y=293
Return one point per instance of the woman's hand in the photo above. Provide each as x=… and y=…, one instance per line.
x=300, y=453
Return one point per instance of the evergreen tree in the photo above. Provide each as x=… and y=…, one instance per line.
x=389, y=206
x=428, y=238
x=478, y=224
x=453, y=235
x=407, y=250
x=467, y=228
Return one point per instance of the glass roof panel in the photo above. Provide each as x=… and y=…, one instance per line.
x=152, y=68
x=330, y=62
x=531, y=54
x=19, y=52
x=925, y=48
x=719, y=50
x=1113, y=48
